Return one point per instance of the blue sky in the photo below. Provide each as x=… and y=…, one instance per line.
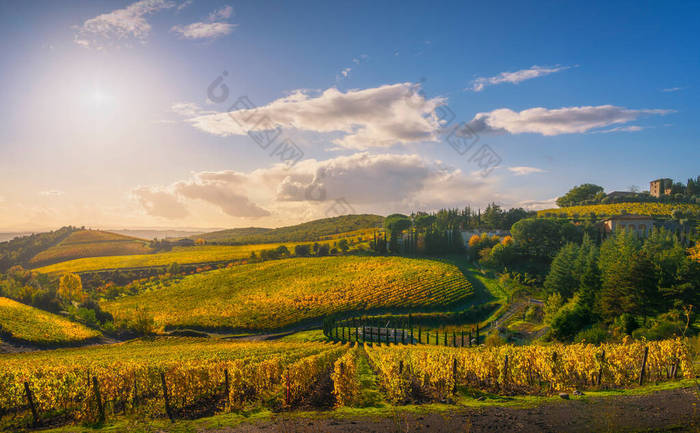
x=107, y=121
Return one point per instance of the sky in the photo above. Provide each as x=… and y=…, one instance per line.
x=193, y=113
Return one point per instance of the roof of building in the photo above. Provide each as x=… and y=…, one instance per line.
x=629, y=217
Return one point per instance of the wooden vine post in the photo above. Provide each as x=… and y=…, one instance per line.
x=287, y=396
x=30, y=399
x=454, y=374
x=168, y=410
x=226, y=388
x=644, y=365
x=98, y=398
x=470, y=338
x=599, y=379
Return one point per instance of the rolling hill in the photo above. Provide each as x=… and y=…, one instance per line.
x=90, y=243
x=25, y=324
x=279, y=293
x=305, y=232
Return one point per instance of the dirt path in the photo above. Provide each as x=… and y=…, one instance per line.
x=672, y=410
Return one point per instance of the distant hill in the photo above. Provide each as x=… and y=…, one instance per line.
x=20, y=250
x=159, y=233
x=25, y=324
x=305, y=232
x=90, y=243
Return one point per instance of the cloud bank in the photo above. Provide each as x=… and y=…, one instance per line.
x=373, y=183
x=375, y=117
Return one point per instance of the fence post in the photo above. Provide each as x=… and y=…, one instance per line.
x=396, y=337
x=454, y=374
x=600, y=372
x=135, y=399
x=454, y=339
x=470, y=338
x=168, y=410
x=411, y=342
x=30, y=399
x=228, y=399
x=477, y=334
x=437, y=335
x=427, y=337
x=100, y=408
x=444, y=340
x=287, y=400
x=420, y=339
x=462, y=338
x=505, y=372
x=644, y=365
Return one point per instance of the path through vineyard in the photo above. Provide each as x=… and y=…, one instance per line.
x=674, y=410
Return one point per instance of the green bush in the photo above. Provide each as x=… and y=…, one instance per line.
x=593, y=335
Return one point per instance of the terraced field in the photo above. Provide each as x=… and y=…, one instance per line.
x=280, y=293
x=651, y=209
x=91, y=243
x=31, y=325
x=182, y=255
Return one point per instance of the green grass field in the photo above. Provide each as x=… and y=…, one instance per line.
x=28, y=324
x=280, y=293
x=91, y=243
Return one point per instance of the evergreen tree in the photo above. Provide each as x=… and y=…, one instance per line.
x=562, y=277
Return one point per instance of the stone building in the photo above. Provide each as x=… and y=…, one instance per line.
x=660, y=187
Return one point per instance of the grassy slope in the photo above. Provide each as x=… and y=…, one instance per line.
x=653, y=209
x=28, y=324
x=90, y=243
x=309, y=231
x=280, y=293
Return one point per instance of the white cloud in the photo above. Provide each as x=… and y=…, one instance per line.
x=160, y=202
x=360, y=59
x=515, y=77
x=51, y=193
x=375, y=117
x=186, y=109
x=119, y=25
x=672, y=89
x=221, y=14
x=184, y=4
x=632, y=128
x=345, y=72
x=523, y=170
x=567, y=120
x=213, y=28
x=537, y=204
x=204, y=30
x=382, y=183
x=221, y=189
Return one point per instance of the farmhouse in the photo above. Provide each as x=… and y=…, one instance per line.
x=660, y=187
x=639, y=224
